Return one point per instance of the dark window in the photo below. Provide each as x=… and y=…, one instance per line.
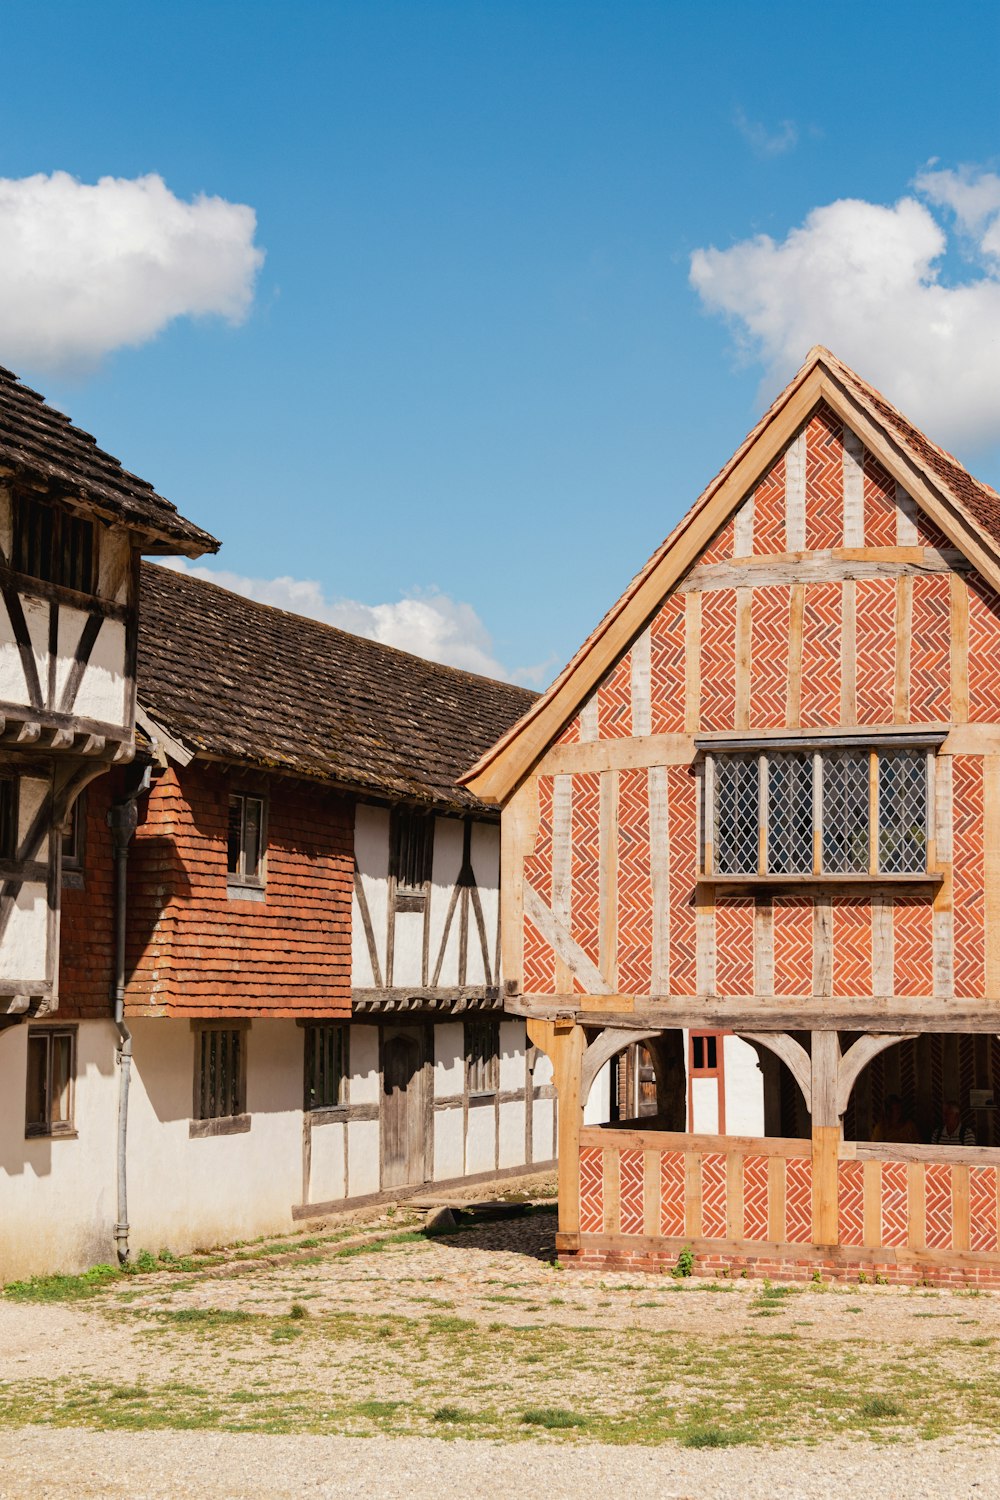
x=704, y=1052
x=246, y=839
x=9, y=789
x=326, y=1056
x=482, y=1056
x=220, y=1072
x=54, y=544
x=72, y=840
x=51, y=1066
x=412, y=850
x=806, y=812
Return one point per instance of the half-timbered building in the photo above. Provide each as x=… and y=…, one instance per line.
x=310, y=974
x=761, y=806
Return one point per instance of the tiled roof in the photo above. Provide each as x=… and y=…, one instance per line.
x=38, y=441
x=247, y=682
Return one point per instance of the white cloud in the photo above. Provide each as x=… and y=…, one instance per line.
x=764, y=142
x=866, y=280
x=86, y=269
x=428, y=623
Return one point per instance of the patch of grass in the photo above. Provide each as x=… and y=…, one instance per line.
x=881, y=1406
x=298, y=1310
x=63, y=1288
x=456, y=1414
x=552, y=1417
x=710, y=1436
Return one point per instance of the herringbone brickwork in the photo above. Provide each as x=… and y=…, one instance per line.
x=983, y=1209
x=928, y=535
x=614, y=701
x=821, y=629
x=938, y=1212
x=930, y=649
x=852, y=946
x=984, y=652
x=718, y=659
x=539, y=962
x=734, y=946
x=539, y=959
x=591, y=1190
x=880, y=505
x=793, y=945
x=713, y=1196
x=769, y=512
x=635, y=897
x=571, y=733
x=672, y=1180
x=967, y=796
x=876, y=649
x=824, y=481
x=682, y=791
x=798, y=1200
x=755, y=1221
x=850, y=1202
x=630, y=1191
x=769, y=658
x=586, y=909
x=912, y=947
x=667, y=659
x=894, y=1203
x=720, y=549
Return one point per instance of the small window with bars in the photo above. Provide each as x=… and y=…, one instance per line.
x=704, y=1053
x=841, y=812
x=411, y=851
x=326, y=1065
x=54, y=545
x=72, y=839
x=247, y=840
x=9, y=798
x=219, y=1072
x=49, y=1093
x=482, y=1056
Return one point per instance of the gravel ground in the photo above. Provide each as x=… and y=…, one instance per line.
x=37, y=1463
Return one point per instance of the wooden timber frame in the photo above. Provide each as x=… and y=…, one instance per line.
x=834, y=591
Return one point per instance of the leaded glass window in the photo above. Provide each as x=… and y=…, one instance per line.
x=790, y=813
x=846, y=807
x=737, y=814
x=902, y=811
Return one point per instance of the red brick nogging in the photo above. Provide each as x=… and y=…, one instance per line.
x=752, y=1267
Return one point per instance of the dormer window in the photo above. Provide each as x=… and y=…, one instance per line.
x=821, y=811
x=54, y=545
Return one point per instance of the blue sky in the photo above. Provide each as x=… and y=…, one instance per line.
x=472, y=385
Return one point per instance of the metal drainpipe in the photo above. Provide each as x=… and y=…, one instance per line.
x=123, y=818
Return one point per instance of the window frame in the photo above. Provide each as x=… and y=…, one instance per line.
x=482, y=1065
x=716, y=1073
x=239, y=880
x=341, y=1045
x=821, y=750
x=10, y=815
x=66, y=527
x=411, y=895
x=71, y=861
x=202, y=1123
x=49, y=1130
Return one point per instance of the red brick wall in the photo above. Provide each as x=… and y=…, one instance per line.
x=193, y=950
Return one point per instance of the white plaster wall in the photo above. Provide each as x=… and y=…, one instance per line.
x=33, y=791
x=101, y=694
x=543, y=1070
x=705, y=1106
x=445, y=870
x=597, y=1110
x=512, y=1129
x=13, y=688
x=542, y=1129
x=449, y=1143
x=481, y=1140
x=36, y=617
x=408, y=949
x=371, y=850
x=364, y=1085
x=363, y=1173
x=327, y=1179
x=449, y=1060
x=512, y=1066
x=485, y=852
x=744, y=1088
x=22, y=952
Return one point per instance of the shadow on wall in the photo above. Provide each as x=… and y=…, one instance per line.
x=95, y=1066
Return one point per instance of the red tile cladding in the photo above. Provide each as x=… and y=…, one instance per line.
x=192, y=950
x=769, y=512
x=824, y=481
x=880, y=505
x=635, y=897
x=769, y=657
x=667, y=661
x=821, y=629
x=718, y=659
x=968, y=875
x=930, y=648
x=793, y=945
x=875, y=634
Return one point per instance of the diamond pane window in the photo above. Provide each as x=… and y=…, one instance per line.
x=737, y=814
x=790, y=814
x=846, y=832
x=902, y=812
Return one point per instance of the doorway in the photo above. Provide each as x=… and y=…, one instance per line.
x=402, y=1108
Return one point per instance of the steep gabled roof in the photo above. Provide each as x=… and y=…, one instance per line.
x=39, y=443
x=246, y=682
x=966, y=510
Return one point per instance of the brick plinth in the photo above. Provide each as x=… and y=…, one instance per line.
x=843, y=1270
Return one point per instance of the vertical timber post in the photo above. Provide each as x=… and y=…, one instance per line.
x=826, y=1129
x=565, y=1043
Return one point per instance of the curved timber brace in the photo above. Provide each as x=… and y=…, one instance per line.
x=825, y=1077
x=612, y=1040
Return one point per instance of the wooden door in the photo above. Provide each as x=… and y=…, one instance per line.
x=402, y=1109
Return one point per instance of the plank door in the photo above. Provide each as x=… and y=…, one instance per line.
x=402, y=1109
